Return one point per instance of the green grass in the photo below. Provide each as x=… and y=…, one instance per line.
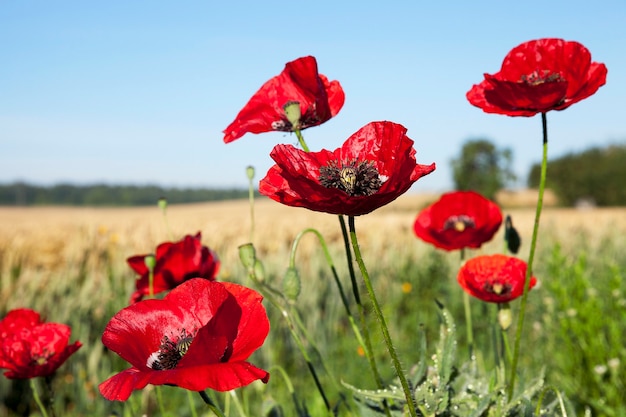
x=574, y=330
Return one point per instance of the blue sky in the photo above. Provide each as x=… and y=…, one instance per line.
x=138, y=92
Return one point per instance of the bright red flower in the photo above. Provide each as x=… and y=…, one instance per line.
x=176, y=262
x=494, y=278
x=300, y=83
x=372, y=168
x=197, y=337
x=461, y=219
x=30, y=347
x=539, y=76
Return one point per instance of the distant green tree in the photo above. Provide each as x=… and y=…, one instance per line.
x=482, y=167
x=596, y=174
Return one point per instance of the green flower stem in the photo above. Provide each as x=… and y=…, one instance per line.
x=216, y=410
x=531, y=257
x=160, y=400
x=271, y=295
x=250, y=174
x=331, y=264
x=367, y=347
x=192, y=405
x=237, y=403
x=468, y=316
x=305, y=148
x=381, y=320
x=33, y=387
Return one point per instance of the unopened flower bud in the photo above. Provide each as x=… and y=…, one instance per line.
x=162, y=203
x=291, y=284
x=250, y=172
x=247, y=255
x=505, y=316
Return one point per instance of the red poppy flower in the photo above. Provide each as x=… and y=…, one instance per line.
x=494, y=278
x=372, y=168
x=461, y=219
x=538, y=76
x=317, y=98
x=197, y=337
x=30, y=347
x=176, y=262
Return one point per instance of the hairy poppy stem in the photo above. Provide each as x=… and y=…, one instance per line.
x=468, y=316
x=192, y=406
x=367, y=346
x=381, y=320
x=33, y=387
x=271, y=295
x=250, y=175
x=211, y=404
x=331, y=264
x=305, y=148
x=531, y=257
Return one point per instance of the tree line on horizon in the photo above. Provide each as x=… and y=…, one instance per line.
x=100, y=195
x=593, y=177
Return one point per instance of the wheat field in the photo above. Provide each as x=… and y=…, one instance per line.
x=44, y=237
x=69, y=263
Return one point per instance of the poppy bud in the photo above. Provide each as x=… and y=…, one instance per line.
x=291, y=284
x=511, y=236
x=162, y=203
x=250, y=172
x=247, y=254
x=505, y=316
x=259, y=271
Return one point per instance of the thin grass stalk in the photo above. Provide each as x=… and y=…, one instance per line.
x=531, y=257
x=381, y=320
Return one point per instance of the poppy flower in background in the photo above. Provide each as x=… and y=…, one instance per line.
x=30, y=348
x=308, y=97
x=197, y=337
x=176, y=262
x=372, y=168
x=460, y=219
x=539, y=76
x=494, y=278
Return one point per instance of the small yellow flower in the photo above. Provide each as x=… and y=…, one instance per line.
x=406, y=287
x=360, y=351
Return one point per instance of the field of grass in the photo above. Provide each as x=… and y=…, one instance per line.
x=69, y=264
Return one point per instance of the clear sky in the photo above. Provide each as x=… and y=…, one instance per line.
x=138, y=92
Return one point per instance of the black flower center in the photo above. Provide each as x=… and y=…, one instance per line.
x=539, y=77
x=497, y=288
x=459, y=223
x=293, y=119
x=354, y=178
x=170, y=352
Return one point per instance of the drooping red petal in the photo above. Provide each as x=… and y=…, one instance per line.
x=298, y=82
x=559, y=64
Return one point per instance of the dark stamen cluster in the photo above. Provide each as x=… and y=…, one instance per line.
x=308, y=119
x=354, y=178
x=459, y=223
x=170, y=352
x=537, y=77
x=497, y=288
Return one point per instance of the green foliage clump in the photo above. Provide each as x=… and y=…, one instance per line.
x=596, y=175
x=482, y=167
